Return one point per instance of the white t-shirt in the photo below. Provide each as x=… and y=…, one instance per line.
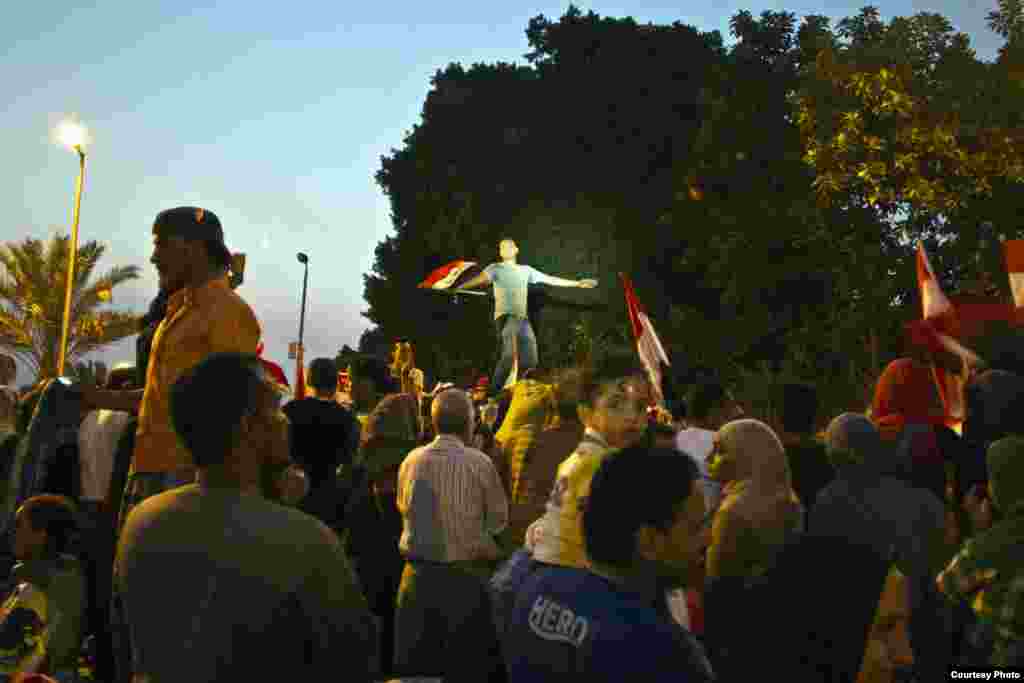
x=698, y=444
x=97, y=442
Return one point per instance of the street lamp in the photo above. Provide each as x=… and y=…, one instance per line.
x=74, y=136
x=299, y=370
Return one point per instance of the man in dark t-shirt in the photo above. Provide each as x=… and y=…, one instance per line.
x=221, y=584
x=809, y=465
x=323, y=436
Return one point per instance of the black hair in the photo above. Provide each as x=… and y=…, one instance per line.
x=654, y=481
x=323, y=374
x=705, y=397
x=609, y=368
x=799, y=408
x=209, y=401
x=54, y=514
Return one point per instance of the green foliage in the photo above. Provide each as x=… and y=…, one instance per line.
x=32, y=289
x=654, y=150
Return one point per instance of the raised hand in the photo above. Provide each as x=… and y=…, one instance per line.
x=588, y=284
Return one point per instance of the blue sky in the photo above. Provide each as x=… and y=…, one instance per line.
x=272, y=115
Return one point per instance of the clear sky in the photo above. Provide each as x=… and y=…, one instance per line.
x=272, y=115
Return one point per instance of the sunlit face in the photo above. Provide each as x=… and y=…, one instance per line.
x=174, y=258
x=675, y=550
x=508, y=249
x=620, y=413
x=28, y=541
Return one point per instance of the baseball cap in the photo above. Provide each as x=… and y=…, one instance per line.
x=194, y=223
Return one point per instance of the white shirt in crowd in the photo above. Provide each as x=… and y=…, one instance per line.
x=97, y=442
x=452, y=503
x=698, y=444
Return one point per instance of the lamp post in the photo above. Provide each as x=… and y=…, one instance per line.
x=300, y=384
x=72, y=135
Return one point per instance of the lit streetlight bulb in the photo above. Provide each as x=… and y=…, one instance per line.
x=72, y=135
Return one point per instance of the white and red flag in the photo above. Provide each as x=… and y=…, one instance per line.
x=652, y=353
x=451, y=275
x=949, y=326
x=940, y=330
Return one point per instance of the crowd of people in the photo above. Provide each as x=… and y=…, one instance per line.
x=221, y=529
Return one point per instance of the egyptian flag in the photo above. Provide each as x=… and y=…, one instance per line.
x=652, y=353
x=452, y=275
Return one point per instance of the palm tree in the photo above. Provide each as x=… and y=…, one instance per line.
x=32, y=286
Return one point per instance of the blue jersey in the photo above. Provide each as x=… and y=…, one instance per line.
x=571, y=622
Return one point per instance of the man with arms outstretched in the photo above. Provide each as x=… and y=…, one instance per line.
x=511, y=282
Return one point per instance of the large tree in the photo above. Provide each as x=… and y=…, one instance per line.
x=904, y=114
x=573, y=156
x=32, y=290
x=655, y=151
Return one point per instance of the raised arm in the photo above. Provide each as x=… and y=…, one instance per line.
x=546, y=279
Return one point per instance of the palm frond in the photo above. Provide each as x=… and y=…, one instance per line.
x=32, y=290
x=88, y=298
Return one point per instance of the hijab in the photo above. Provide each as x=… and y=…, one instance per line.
x=760, y=511
x=761, y=490
x=905, y=394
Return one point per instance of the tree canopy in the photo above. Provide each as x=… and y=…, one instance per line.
x=702, y=171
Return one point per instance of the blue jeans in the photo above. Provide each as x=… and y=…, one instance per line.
x=513, y=332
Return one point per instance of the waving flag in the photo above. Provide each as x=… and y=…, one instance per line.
x=949, y=326
x=652, y=353
x=939, y=330
x=452, y=275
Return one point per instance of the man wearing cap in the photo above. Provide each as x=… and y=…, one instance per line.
x=203, y=316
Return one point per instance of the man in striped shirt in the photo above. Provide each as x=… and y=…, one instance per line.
x=453, y=505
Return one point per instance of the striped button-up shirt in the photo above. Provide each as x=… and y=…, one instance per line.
x=452, y=503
